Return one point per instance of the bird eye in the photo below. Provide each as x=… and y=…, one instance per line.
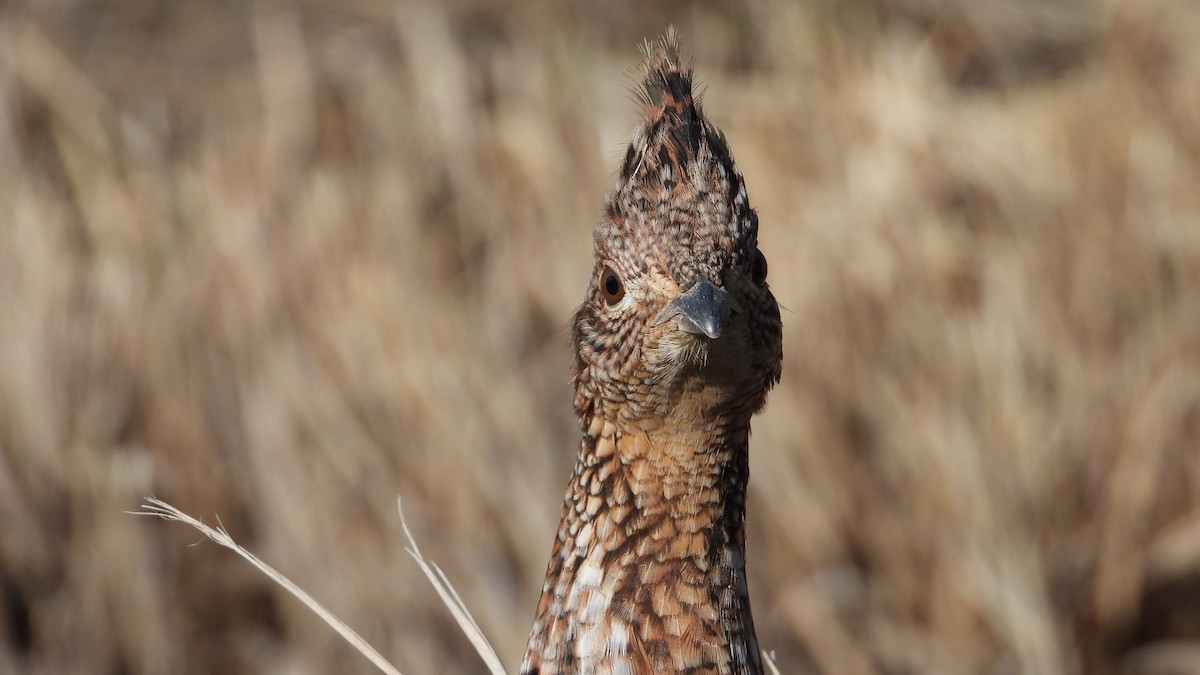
x=611, y=287
x=758, y=268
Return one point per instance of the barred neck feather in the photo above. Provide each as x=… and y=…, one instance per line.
x=647, y=574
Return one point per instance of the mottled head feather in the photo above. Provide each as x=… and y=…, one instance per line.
x=678, y=213
x=678, y=166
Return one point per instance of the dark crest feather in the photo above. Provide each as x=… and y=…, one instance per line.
x=668, y=96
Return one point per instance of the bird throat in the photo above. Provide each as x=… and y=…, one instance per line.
x=648, y=567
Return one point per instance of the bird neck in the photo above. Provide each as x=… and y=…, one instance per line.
x=651, y=549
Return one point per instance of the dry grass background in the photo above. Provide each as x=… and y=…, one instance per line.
x=282, y=261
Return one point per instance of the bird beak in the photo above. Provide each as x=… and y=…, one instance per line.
x=704, y=309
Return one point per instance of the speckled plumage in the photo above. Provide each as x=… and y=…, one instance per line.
x=676, y=345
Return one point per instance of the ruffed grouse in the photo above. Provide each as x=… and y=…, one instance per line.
x=676, y=345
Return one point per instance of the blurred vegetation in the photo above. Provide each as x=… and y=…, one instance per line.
x=279, y=262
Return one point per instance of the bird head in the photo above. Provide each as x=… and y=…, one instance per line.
x=679, y=322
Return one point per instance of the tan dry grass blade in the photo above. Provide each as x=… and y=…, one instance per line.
x=157, y=507
x=452, y=601
x=769, y=660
